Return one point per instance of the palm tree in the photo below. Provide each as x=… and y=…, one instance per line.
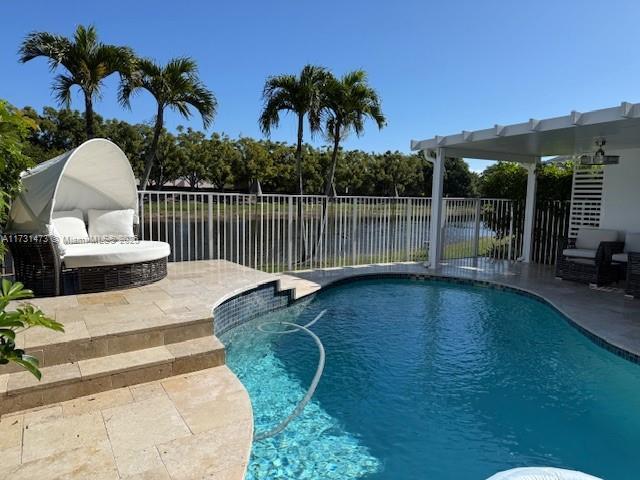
x=301, y=95
x=175, y=85
x=348, y=102
x=88, y=63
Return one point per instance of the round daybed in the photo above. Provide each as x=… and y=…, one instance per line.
x=72, y=228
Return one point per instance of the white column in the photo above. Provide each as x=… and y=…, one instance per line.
x=435, y=235
x=529, y=211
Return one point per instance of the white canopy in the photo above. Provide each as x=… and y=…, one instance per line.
x=97, y=174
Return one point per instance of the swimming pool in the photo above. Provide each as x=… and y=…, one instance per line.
x=435, y=380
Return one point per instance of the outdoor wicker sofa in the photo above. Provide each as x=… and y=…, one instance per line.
x=629, y=261
x=588, y=257
x=72, y=228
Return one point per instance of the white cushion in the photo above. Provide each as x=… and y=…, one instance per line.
x=620, y=257
x=70, y=225
x=632, y=242
x=590, y=238
x=117, y=253
x=579, y=253
x=113, y=223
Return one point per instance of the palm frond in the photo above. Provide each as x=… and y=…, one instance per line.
x=44, y=44
x=62, y=89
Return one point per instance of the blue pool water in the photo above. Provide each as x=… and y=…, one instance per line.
x=433, y=380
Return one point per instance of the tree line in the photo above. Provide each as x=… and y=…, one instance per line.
x=222, y=163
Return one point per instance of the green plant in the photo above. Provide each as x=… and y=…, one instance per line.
x=15, y=321
x=15, y=128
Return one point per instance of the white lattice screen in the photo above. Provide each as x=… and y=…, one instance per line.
x=586, y=197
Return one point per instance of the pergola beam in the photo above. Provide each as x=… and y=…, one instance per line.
x=532, y=133
x=484, y=155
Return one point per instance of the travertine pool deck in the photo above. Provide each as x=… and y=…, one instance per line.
x=176, y=426
x=199, y=424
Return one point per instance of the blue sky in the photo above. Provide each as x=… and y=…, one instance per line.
x=440, y=67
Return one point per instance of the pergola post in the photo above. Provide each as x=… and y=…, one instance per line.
x=435, y=234
x=529, y=211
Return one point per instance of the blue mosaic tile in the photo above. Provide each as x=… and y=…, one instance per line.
x=248, y=305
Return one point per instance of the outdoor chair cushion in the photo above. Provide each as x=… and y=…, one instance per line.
x=70, y=225
x=590, y=238
x=118, y=253
x=110, y=223
x=579, y=253
x=620, y=257
x=632, y=242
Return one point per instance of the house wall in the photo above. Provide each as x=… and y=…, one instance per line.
x=621, y=195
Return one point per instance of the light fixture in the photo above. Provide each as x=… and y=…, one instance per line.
x=599, y=157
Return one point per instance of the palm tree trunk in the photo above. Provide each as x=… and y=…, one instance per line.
x=88, y=115
x=304, y=248
x=334, y=160
x=151, y=155
x=327, y=190
x=299, y=152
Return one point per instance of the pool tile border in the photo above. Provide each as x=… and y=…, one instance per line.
x=241, y=308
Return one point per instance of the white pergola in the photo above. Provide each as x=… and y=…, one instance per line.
x=526, y=143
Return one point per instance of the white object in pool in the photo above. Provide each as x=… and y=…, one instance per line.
x=541, y=473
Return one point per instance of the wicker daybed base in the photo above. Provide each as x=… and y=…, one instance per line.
x=113, y=277
x=37, y=266
x=600, y=271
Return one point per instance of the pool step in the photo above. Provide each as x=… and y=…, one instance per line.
x=66, y=381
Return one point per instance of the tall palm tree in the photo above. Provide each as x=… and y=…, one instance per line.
x=348, y=102
x=300, y=95
x=175, y=85
x=88, y=63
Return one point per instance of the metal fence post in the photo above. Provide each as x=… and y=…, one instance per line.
x=476, y=230
x=210, y=225
x=511, y=230
x=354, y=242
x=290, y=235
x=408, y=230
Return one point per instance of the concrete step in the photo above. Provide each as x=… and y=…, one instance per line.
x=299, y=287
x=86, y=340
x=66, y=381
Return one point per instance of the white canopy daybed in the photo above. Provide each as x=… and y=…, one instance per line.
x=92, y=184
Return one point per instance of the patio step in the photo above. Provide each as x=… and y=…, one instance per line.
x=76, y=344
x=67, y=381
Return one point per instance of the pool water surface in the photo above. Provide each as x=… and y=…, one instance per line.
x=435, y=380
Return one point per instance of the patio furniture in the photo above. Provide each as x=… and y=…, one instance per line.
x=629, y=260
x=54, y=252
x=587, y=258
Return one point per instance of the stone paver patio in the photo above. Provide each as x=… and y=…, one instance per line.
x=198, y=424
x=178, y=424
